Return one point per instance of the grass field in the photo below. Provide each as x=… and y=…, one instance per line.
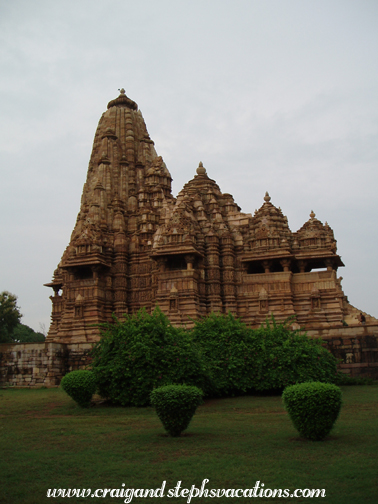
x=48, y=442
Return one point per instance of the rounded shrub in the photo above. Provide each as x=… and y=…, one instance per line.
x=80, y=385
x=313, y=408
x=142, y=352
x=175, y=406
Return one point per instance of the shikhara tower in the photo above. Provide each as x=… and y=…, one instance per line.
x=135, y=245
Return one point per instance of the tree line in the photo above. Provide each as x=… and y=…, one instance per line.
x=11, y=328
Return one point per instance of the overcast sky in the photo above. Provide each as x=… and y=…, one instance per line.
x=274, y=95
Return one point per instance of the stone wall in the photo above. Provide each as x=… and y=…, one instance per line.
x=40, y=364
x=355, y=347
x=77, y=356
x=358, y=355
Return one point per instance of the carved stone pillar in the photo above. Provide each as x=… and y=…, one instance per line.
x=302, y=266
x=189, y=259
x=267, y=265
x=329, y=264
x=213, y=273
x=285, y=263
x=120, y=275
x=228, y=274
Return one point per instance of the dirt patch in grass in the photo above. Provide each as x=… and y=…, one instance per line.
x=209, y=403
x=45, y=411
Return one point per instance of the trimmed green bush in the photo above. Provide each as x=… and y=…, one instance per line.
x=313, y=408
x=175, y=406
x=80, y=385
x=143, y=352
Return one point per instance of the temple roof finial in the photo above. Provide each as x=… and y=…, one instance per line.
x=201, y=170
x=312, y=214
x=123, y=101
x=267, y=197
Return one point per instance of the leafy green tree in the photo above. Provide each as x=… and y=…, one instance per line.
x=284, y=357
x=225, y=343
x=25, y=334
x=240, y=359
x=142, y=352
x=10, y=315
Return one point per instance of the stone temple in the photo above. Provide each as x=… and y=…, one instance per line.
x=134, y=245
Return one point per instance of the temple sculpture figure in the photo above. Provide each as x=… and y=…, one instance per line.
x=134, y=245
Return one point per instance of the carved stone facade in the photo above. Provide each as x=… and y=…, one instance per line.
x=134, y=245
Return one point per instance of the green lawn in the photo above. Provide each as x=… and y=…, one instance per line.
x=48, y=442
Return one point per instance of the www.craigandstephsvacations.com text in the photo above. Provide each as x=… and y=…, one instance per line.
x=193, y=492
